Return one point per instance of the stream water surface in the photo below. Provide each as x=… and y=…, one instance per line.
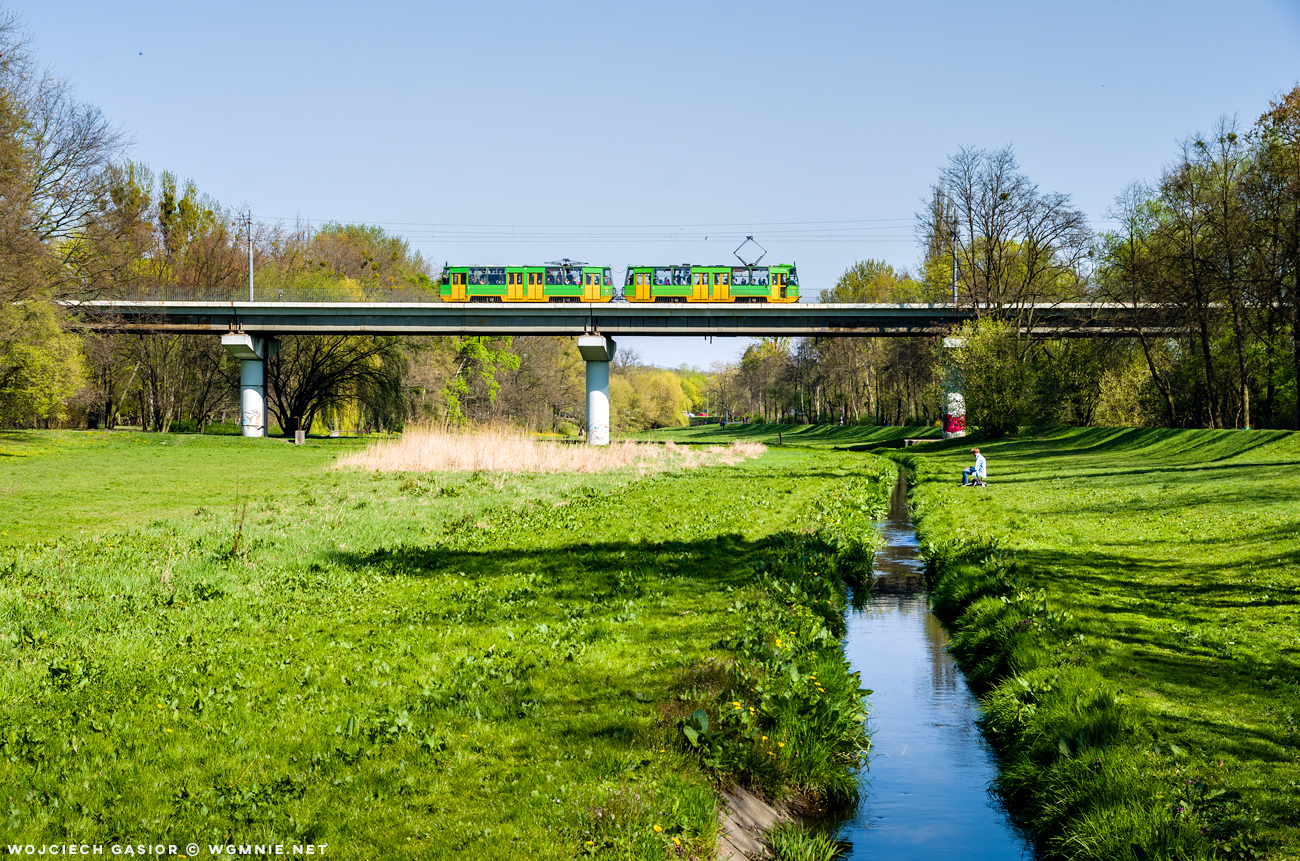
x=926, y=794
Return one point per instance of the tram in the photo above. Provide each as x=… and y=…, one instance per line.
x=562, y=281
x=688, y=283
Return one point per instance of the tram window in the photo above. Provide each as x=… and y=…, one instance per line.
x=477, y=277
x=682, y=276
x=446, y=277
x=698, y=279
x=609, y=279
x=760, y=277
x=663, y=277
x=575, y=277
x=627, y=282
x=554, y=277
x=496, y=277
x=793, y=278
x=740, y=277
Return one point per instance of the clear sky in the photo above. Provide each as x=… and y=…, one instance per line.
x=818, y=127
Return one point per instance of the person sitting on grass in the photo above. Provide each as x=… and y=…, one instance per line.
x=975, y=475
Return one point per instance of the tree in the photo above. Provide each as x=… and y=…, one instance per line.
x=1275, y=194
x=311, y=373
x=40, y=365
x=999, y=384
x=1014, y=246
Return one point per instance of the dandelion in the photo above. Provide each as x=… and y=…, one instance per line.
x=659, y=829
x=780, y=744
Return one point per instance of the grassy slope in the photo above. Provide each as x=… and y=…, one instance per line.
x=1176, y=555
x=819, y=436
x=446, y=666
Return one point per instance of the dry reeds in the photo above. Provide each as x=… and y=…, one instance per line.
x=499, y=449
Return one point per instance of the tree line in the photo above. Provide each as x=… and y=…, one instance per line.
x=1213, y=237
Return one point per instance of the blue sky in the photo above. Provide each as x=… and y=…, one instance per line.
x=646, y=121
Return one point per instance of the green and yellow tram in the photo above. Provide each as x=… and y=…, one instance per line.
x=554, y=282
x=686, y=283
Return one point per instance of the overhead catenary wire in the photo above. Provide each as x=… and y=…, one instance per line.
x=844, y=230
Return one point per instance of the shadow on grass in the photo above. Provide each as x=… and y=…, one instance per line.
x=648, y=592
x=1171, y=640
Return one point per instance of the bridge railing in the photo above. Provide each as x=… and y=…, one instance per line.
x=273, y=293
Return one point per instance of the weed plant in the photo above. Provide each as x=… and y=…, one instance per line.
x=790, y=842
x=1125, y=602
x=428, y=665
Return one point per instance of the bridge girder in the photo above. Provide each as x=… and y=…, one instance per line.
x=274, y=319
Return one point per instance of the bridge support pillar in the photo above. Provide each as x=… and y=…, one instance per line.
x=253, y=353
x=954, y=396
x=597, y=350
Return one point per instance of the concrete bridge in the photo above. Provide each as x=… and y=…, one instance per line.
x=249, y=330
x=270, y=319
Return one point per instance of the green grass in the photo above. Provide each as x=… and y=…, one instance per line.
x=1127, y=601
x=96, y=481
x=425, y=666
x=818, y=436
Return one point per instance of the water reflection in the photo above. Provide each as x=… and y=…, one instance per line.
x=926, y=794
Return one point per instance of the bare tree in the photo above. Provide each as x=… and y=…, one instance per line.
x=1014, y=245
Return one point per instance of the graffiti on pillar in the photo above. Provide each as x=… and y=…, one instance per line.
x=954, y=415
x=598, y=435
x=252, y=420
x=954, y=403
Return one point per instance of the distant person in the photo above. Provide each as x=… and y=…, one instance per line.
x=975, y=475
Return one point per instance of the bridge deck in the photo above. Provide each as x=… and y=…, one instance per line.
x=705, y=319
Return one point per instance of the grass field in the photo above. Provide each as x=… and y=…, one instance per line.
x=1127, y=602
x=221, y=640
x=61, y=483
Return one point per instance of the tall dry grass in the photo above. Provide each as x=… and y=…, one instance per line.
x=499, y=449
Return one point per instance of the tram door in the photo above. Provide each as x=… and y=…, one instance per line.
x=700, y=287
x=458, y=286
x=778, y=281
x=590, y=286
x=534, y=286
x=512, y=286
x=720, y=286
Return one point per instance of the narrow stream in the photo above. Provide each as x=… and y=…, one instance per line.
x=926, y=794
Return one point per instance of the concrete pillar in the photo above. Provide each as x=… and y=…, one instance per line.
x=596, y=351
x=954, y=398
x=253, y=353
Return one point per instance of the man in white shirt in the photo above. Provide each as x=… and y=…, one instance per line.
x=977, y=473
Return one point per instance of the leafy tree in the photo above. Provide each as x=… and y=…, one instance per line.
x=646, y=398
x=40, y=365
x=477, y=359
x=999, y=383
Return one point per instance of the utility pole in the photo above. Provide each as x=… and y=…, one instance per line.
x=248, y=221
x=952, y=225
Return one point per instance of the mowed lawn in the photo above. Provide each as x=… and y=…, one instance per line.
x=226, y=641
x=1176, y=555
